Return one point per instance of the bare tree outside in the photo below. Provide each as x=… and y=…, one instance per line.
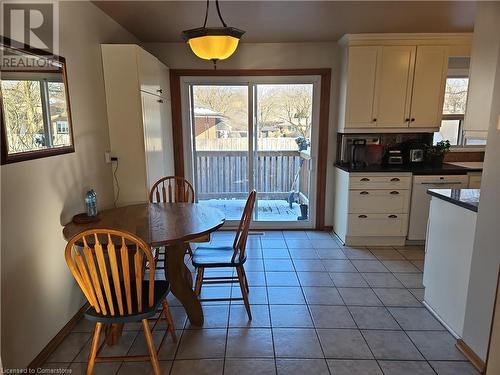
x=23, y=115
x=455, y=98
x=285, y=110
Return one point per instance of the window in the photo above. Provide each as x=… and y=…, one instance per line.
x=455, y=101
x=34, y=106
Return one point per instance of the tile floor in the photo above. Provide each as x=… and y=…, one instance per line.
x=318, y=308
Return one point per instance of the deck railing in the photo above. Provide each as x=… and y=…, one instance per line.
x=224, y=174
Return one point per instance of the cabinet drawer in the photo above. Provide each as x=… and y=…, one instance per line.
x=379, y=182
x=377, y=225
x=378, y=201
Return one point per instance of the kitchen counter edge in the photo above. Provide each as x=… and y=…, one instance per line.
x=466, y=198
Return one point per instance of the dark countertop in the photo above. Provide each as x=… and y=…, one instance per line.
x=466, y=198
x=425, y=169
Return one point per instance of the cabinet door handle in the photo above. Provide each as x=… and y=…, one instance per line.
x=442, y=183
x=365, y=179
x=394, y=192
x=395, y=179
x=160, y=100
x=160, y=91
x=407, y=119
x=362, y=216
x=393, y=216
x=374, y=120
x=364, y=193
x=412, y=120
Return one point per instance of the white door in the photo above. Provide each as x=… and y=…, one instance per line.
x=153, y=137
x=149, y=71
x=429, y=82
x=361, y=73
x=393, y=86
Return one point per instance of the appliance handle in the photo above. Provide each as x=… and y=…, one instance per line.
x=443, y=183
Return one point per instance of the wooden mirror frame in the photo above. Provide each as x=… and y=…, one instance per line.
x=7, y=158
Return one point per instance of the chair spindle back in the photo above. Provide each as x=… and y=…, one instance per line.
x=172, y=189
x=240, y=240
x=104, y=263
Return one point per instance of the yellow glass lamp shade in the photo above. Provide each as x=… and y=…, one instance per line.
x=213, y=43
x=214, y=47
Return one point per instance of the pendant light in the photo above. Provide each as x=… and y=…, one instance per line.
x=213, y=43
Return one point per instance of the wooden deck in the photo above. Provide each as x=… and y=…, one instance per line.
x=266, y=210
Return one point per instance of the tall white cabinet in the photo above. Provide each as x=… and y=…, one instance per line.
x=139, y=118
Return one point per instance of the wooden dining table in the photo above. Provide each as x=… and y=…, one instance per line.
x=164, y=224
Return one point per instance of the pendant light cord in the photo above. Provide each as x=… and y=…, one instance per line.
x=206, y=14
x=218, y=12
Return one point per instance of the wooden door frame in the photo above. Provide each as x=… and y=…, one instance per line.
x=324, y=112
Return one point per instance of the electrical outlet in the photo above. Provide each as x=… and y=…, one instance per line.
x=107, y=157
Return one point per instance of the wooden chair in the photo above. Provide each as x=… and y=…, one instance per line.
x=173, y=189
x=227, y=257
x=109, y=267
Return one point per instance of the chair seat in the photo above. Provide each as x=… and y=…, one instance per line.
x=162, y=288
x=205, y=238
x=216, y=257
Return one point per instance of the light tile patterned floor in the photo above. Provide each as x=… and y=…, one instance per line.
x=318, y=308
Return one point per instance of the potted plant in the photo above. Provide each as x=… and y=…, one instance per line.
x=302, y=142
x=435, y=154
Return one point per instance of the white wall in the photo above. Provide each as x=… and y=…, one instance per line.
x=39, y=295
x=270, y=56
x=486, y=254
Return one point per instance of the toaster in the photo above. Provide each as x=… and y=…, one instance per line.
x=395, y=157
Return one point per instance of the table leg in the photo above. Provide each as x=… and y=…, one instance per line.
x=181, y=283
x=113, y=333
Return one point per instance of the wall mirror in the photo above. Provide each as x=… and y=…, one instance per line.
x=34, y=104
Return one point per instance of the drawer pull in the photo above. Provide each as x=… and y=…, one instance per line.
x=394, y=192
x=364, y=193
x=395, y=179
x=393, y=216
x=362, y=216
x=365, y=179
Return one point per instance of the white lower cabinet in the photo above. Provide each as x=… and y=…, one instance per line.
x=371, y=208
x=378, y=201
x=377, y=225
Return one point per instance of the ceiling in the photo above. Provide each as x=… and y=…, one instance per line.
x=291, y=21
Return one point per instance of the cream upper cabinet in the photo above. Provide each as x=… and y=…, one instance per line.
x=361, y=73
x=395, y=82
x=431, y=65
x=393, y=87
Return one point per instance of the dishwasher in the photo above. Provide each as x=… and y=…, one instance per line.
x=420, y=200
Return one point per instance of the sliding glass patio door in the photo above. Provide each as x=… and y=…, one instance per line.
x=257, y=134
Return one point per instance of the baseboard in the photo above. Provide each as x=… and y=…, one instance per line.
x=42, y=357
x=477, y=362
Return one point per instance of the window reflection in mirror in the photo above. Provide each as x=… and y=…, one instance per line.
x=36, y=120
